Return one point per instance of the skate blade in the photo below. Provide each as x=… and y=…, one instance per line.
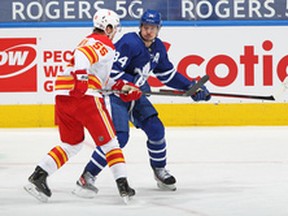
x=166, y=187
x=126, y=199
x=84, y=193
x=32, y=190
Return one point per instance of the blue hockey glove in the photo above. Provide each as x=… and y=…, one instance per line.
x=202, y=94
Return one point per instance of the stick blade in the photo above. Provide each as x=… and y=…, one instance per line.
x=198, y=85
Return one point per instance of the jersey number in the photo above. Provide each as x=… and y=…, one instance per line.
x=99, y=46
x=122, y=60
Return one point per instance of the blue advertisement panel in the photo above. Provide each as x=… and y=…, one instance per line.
x=27, y=11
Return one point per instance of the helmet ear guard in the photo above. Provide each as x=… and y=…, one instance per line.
x=104, y=18
x=151, y=17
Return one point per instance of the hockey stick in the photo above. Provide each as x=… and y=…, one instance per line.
x=276, y=96
x=162, y=92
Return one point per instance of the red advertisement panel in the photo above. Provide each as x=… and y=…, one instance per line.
x=18, y=69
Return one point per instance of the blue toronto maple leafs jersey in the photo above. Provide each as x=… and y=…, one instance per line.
x=134, y=60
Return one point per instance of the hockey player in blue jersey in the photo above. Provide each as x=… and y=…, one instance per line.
x=138, y=55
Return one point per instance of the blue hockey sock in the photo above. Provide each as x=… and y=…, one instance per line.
x=157, y=153
x=97, y=162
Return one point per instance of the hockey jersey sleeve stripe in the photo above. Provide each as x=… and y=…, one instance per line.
x=166, y=77
x=165, y=73
x=94, y=82
x=67, y=83
x=90, y=53
x=64, y=82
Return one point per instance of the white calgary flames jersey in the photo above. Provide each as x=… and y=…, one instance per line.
x=94, y=54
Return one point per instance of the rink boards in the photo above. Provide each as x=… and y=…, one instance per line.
x=172, y=115
x=238, y=59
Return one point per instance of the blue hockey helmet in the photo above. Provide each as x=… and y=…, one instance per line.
x=151, y=17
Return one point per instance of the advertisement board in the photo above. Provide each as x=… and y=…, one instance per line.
x=250, y=60
x=240, y=44
x=194, y=12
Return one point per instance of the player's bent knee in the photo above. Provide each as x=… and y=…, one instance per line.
x=122, y=138
x=154, y=128
x=71, y=150
x=112, y=144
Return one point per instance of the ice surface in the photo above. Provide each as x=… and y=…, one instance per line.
x=221, y=171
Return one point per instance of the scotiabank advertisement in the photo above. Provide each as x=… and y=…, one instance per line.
x=239, y=60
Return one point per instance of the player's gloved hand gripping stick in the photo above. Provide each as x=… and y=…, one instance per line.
x=80, y=83
x=127, y=91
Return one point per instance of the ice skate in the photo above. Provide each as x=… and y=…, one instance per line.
x=38, y=187
x=165, y=180
x=85, y=186
x=125, y=191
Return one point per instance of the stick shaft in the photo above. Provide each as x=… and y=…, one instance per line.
x=160, y=93
x=258, y=97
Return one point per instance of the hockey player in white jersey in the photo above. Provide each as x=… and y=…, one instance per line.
x=137, y=56
x=79, y=105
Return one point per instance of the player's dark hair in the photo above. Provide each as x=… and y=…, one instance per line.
x=97, y=30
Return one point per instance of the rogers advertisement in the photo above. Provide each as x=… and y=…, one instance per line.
x=242, y=60
x=176, y=10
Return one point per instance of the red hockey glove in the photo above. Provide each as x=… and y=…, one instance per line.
x=80, y=83
x=118, y=85
x=130, y=91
